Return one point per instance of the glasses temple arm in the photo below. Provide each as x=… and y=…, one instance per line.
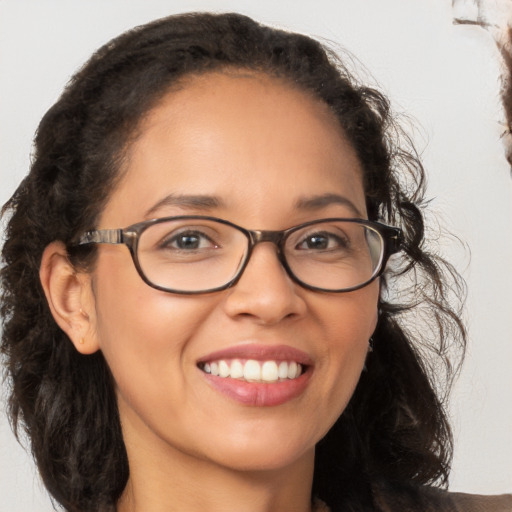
x=101, y=236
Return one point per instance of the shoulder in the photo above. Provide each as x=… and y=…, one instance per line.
x=430, y=499
x=479, y=503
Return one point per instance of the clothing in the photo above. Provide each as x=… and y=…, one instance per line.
x=428, y=499
x=319, y=506
x=477, y=503
x=437, y=500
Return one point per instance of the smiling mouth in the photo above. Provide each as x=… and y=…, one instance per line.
x=252, y=370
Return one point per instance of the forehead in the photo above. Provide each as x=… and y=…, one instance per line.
x=243, y=136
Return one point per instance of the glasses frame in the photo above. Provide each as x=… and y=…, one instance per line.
x=391, y=238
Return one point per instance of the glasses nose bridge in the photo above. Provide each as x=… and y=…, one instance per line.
x=276, y=238
x=259, y=236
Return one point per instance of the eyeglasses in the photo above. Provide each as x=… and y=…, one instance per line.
x=199, y=254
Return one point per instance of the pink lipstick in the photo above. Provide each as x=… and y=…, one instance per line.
x=258, y=375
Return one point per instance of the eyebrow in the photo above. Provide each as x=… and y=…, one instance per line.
x=324, y=200
x=207, y=202
x=196, y=202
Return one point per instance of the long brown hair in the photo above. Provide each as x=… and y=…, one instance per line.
x=394, y=429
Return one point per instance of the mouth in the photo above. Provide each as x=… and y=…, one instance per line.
x=258, y=375
x=252, y=370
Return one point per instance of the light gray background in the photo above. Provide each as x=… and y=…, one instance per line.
x=444, y=76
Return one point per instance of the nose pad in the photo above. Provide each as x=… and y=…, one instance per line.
x=265, y=291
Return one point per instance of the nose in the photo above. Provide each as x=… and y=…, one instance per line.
x=265, y=292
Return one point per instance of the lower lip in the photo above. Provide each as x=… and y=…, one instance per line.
x=260, y=394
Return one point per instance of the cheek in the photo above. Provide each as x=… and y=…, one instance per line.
x=142, y=332
x=352, y=321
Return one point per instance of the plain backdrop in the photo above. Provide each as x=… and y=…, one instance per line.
x=444, y=76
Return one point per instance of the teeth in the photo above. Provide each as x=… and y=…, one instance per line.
x=237, y=370
x=269, y=372
x=283, y=370
x=292, y=370
x=223, y=369
x=254, y=371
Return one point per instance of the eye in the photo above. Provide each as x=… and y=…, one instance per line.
x=188, y=240
x=322, y=241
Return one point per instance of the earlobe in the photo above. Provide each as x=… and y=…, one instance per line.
x=69, y=297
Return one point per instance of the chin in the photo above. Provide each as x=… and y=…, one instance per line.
x=264, y=460
x=264, y=447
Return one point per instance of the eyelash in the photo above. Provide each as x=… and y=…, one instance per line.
x=167, y=242
x=340, y=242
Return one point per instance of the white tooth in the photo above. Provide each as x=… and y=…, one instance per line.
x=292, y=369
x=269, y=371
x=223, y=369
x=283, y=370
x=214, y=368
x=252, y=370
x=237, y=369
x=299, y=370
x=206, y=367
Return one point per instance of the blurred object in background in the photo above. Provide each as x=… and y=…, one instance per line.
x=496, y=17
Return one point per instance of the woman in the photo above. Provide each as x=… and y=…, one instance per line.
x=245, y=351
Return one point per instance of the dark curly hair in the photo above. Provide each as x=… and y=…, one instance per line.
x=394, y=431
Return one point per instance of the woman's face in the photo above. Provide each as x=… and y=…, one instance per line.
x=254, y=151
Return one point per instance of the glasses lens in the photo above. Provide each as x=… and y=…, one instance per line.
x=334, y=255
x=191, y=255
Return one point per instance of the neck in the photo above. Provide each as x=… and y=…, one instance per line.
x=218, y=491
x=197, y=487
x=163, y=478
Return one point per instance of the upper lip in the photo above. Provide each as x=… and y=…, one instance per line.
x=260, y=352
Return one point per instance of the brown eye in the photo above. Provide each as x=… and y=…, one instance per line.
x=322, y=241
x=188, y=241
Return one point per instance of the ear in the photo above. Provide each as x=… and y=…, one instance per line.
x=70, y=298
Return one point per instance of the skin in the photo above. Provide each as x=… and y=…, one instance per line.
x=260, y=146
